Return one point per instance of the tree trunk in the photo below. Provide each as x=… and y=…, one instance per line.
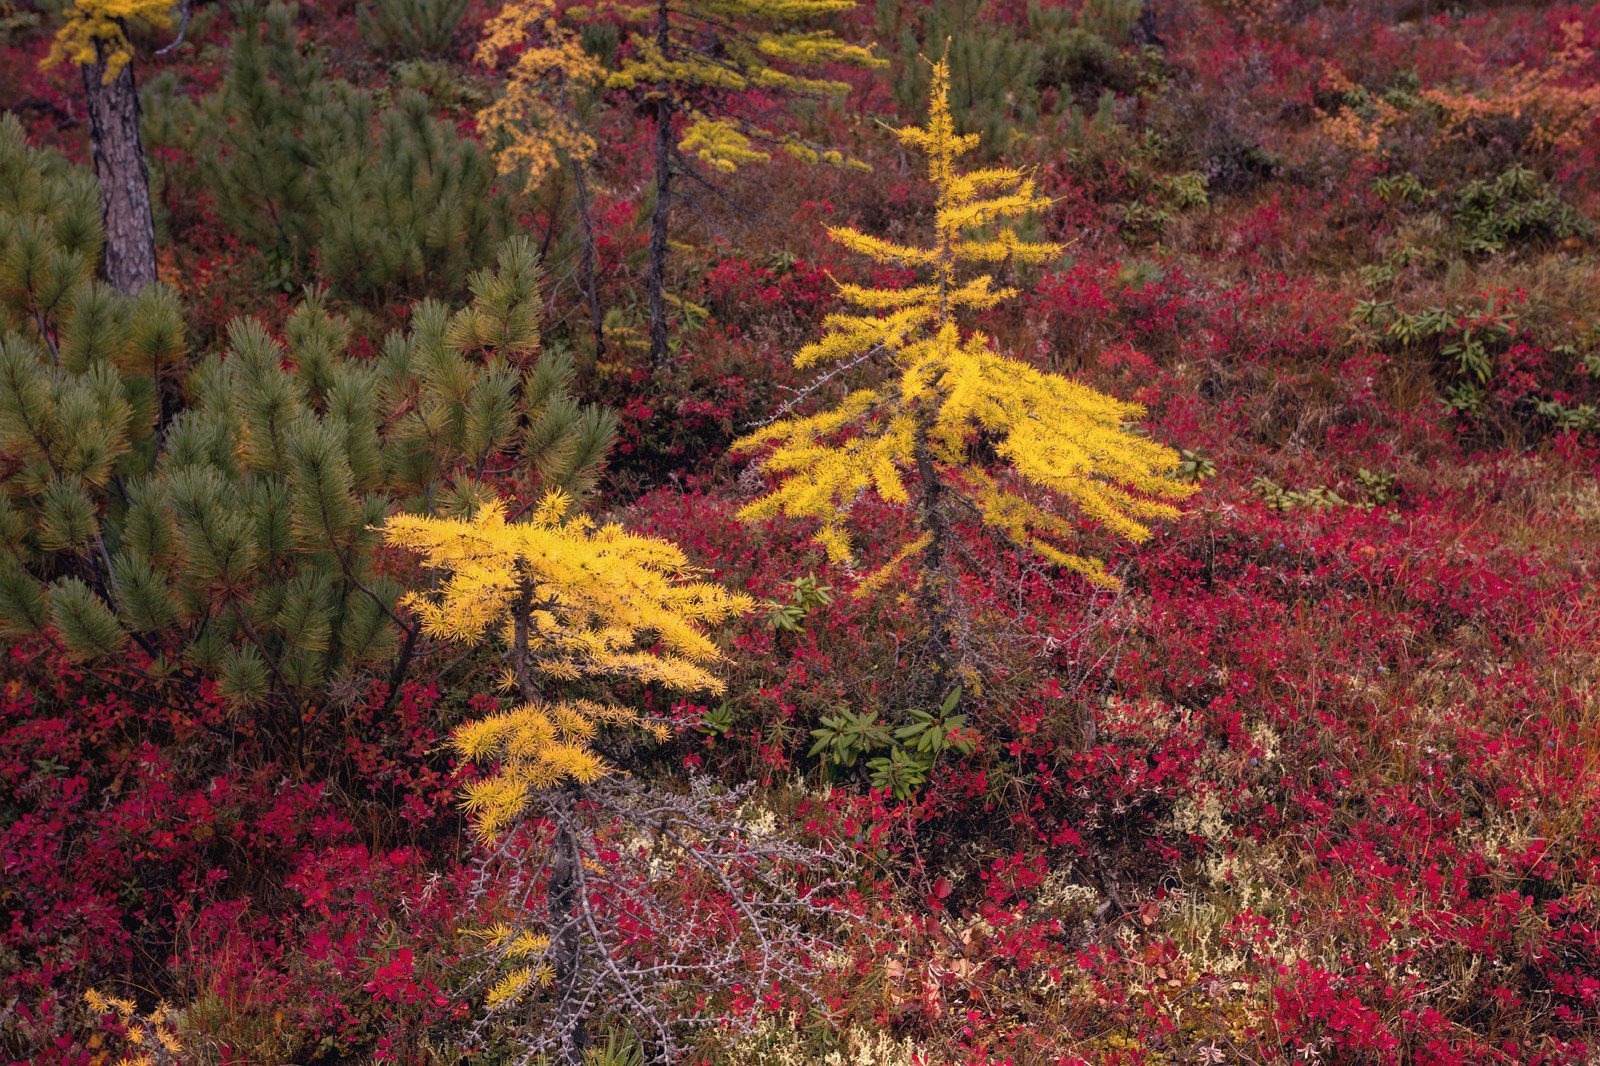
x=562, y=901
x=932, y=590
x=130, y=233
x=656, y=281
x=561, y=891
x=591, y=285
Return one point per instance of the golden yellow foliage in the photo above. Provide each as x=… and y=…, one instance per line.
x=568, y=599
x=515, y=944
x=703, y=49
x=721, y=145
x=533, y=118
x=151, y=1033
x=511, y=986
x=95, y=31
x=1559, y=112
x=1553, y=101
x=518, y=943
x=748, y=57
x=951, y=390
x=1349, y=127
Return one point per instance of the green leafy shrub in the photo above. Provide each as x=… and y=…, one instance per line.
x=1489, y=367
x=1462, y=342
x=1514, y=208
x=906, y=754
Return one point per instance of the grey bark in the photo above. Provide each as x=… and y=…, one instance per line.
x=656, y=280
x=932, y=591
x=572, y=1034
x=591, y=284
x=119, y=164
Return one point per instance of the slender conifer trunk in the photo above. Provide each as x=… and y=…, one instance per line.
x=587, y=262
x=932, y=593
x=119, y=164
x=561, y=905
x=561, y=890
x=656, y=280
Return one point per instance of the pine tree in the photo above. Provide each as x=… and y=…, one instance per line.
x=236, y=532
x=694, y=60
x=412, y=27
x=288, y=155
x=998, y=71
x=419, y=210
x=994, y=71
x=574, y=608
x=94, y=37
x=922, y=437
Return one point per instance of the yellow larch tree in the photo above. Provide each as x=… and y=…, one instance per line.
x=689, y=64
x=954, y=428
x=534, y=120
x=569, y=601
x=536, y=123
x=694, y=59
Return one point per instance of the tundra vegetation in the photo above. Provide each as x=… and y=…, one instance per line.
x=985, y=532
